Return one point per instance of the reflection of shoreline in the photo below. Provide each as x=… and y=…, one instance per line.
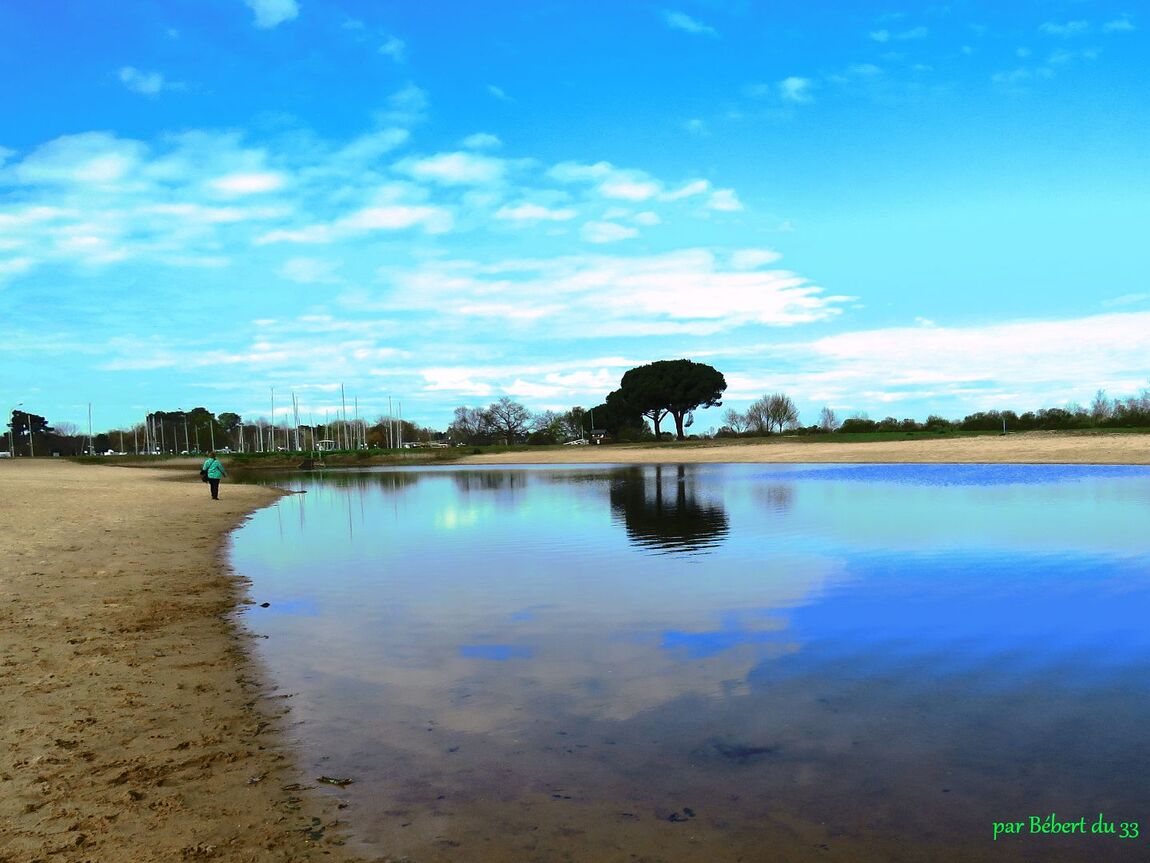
x=661, y=510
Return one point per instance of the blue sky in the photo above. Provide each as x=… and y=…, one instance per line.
x=901, y=209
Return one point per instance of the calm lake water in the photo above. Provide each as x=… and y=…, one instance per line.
x=717, y=662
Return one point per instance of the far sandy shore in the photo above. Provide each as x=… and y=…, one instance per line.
x=133, y=725
x=1026, y=448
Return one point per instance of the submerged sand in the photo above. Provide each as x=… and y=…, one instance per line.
x=133, y=723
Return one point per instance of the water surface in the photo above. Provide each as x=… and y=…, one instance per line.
x=716, y=662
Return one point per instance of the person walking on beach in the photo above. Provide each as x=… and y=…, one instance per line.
x=215, y=473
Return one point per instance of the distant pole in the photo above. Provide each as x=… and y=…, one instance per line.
x=343, y=403
x=295, y=417
x=90, y=428
x=212, y=429
x=400, y=412
x=187, y=442
x=135, y=439
x=12, y=430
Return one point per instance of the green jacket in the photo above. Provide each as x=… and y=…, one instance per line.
x=214, y=468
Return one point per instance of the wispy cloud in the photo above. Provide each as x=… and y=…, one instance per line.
x=796, y=89
x=607, y=232
x=247, y=183
x=481, y=141
x=146, y=83
x=535, y=213
x=899, y=36
x=459, y=168
x=272, y=13
x=1065, y=30
x=395, y=48
x=1118, y=25
x=685, y=23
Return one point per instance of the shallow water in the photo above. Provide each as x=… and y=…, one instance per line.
x=716, y=662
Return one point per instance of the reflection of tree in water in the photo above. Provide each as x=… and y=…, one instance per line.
x=662, y=511
x=366, y=480
x=489, y=480
x=778, y=497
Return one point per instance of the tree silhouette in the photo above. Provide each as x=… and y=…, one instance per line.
x=674, y=387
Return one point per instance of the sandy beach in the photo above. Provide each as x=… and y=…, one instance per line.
x=135, y=724
x=1026, y=448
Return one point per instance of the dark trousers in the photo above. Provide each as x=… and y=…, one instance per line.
x=215, y=484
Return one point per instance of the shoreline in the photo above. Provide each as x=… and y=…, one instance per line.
x=136, y=722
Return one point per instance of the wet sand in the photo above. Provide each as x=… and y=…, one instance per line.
x=134, y=725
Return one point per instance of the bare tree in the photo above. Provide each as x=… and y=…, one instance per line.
x=758, y=417
x=469, y=424
x=781, y=411
x=509, y=418
x=827, y=419
x=735, y=421
x=1101, y=408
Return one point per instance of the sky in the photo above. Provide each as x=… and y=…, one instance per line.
x=897, y=209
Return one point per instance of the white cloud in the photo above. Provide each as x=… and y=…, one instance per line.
x=434, y=220
x=648, y=219
x=272, y=13
x=753, y=259
x=12, y=267
x=687, y=24
x=724, y=200
x=394, y=48
x=1118, y=25
x=457, y=168
x=629, y=188
x=795, y=89
x=575, y=172
x=901, y=363
x=481, y=141
x=1126, y=299
x=498, y=92
x=607, y=232
x=534, y=213
x=595, y=295
x=247, y=183
x=309, y=271
x=406, y=106
x=90, y=158
x=311, y=234
x=145, y=83
x=1061, y=56
x=367, y=148
x=688, y=190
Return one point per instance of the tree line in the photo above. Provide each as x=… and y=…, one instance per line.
x=653, y=393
